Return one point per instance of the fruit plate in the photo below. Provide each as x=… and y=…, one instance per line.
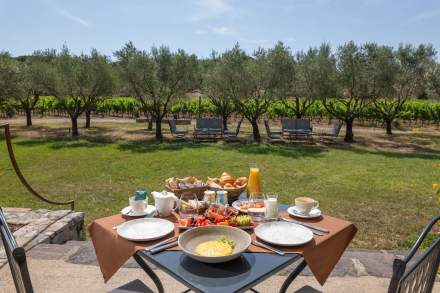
x=212, y=218
x=239, y=227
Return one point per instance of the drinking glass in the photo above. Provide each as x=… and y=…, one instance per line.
x=256, y=208
x=254, y=184
x=271, y=205
x=188, y=206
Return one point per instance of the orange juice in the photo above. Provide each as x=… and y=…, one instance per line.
x=254, y=184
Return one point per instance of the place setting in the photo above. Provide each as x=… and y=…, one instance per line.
x=138, y=206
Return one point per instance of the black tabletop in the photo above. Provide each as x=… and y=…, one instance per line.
x=235, y=276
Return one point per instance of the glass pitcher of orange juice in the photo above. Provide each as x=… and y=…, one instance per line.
x=254, y=183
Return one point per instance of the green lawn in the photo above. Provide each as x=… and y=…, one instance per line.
x=386, y=193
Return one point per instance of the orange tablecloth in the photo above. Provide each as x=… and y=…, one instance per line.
x=321, y=254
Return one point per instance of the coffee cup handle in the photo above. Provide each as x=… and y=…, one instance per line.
x=316, y=204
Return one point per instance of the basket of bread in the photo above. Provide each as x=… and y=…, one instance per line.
x=188, y=185
x=234, y=186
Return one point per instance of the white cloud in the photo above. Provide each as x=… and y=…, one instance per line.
x=75, y=18
x=223, y=30
x=210, y=8
x=231, y=33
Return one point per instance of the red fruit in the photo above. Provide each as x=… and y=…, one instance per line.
x=183, y=222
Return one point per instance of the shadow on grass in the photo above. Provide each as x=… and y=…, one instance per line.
x=257, y=149
x=59, y=143
x=421, y=153
x=96, y=137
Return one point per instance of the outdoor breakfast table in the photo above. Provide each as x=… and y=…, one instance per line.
x=320, y=255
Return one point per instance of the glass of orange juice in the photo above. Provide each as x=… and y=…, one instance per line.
x=254, y=181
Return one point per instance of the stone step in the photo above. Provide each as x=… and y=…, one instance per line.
x=43, y=226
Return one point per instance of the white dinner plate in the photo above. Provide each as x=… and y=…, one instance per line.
x=283, y=233
x=314, y=213
x=145, y=229
x=150, y=210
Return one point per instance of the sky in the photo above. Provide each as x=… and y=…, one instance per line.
x=200, y=26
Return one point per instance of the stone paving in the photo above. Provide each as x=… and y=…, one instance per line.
x=361, y=271
x=354, y=262
x=43, y=226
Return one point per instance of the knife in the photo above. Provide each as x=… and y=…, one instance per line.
x=149, y=248
x=313, y=227
x=257, y=243
x=163, y=247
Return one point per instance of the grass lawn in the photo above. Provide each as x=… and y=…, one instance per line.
x=386, y=192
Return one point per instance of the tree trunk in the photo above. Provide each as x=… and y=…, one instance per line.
x=388, y=123
x=256, y=131
x=225, y=122
x=28, y=117
x=159, y=128
x=150, y=124
x=348, y=131
x=74, y=120
x=87, y=118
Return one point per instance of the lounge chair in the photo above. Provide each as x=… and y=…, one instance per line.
x=233, y=134
x=271, y=133
x=16, y=256
x=294, y=128
x=180, y=134
x=333, y=132
x=208, y=128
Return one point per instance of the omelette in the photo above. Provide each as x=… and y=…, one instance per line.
x=213, y=248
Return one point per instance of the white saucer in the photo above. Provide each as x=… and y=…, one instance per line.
x=314, y=213
x=149, y=211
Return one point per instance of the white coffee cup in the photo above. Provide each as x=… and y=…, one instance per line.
x=138, y=206
x=305, y=204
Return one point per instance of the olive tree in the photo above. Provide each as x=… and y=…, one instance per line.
x=9, y=76
x=156, y=78
x=433, y=79
x=354, y=86
x=95, y=80
x=249, y=82
x=402, y=75
x=296, y=85
x=215, y=87
x=66, y=88
x=36, y=80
